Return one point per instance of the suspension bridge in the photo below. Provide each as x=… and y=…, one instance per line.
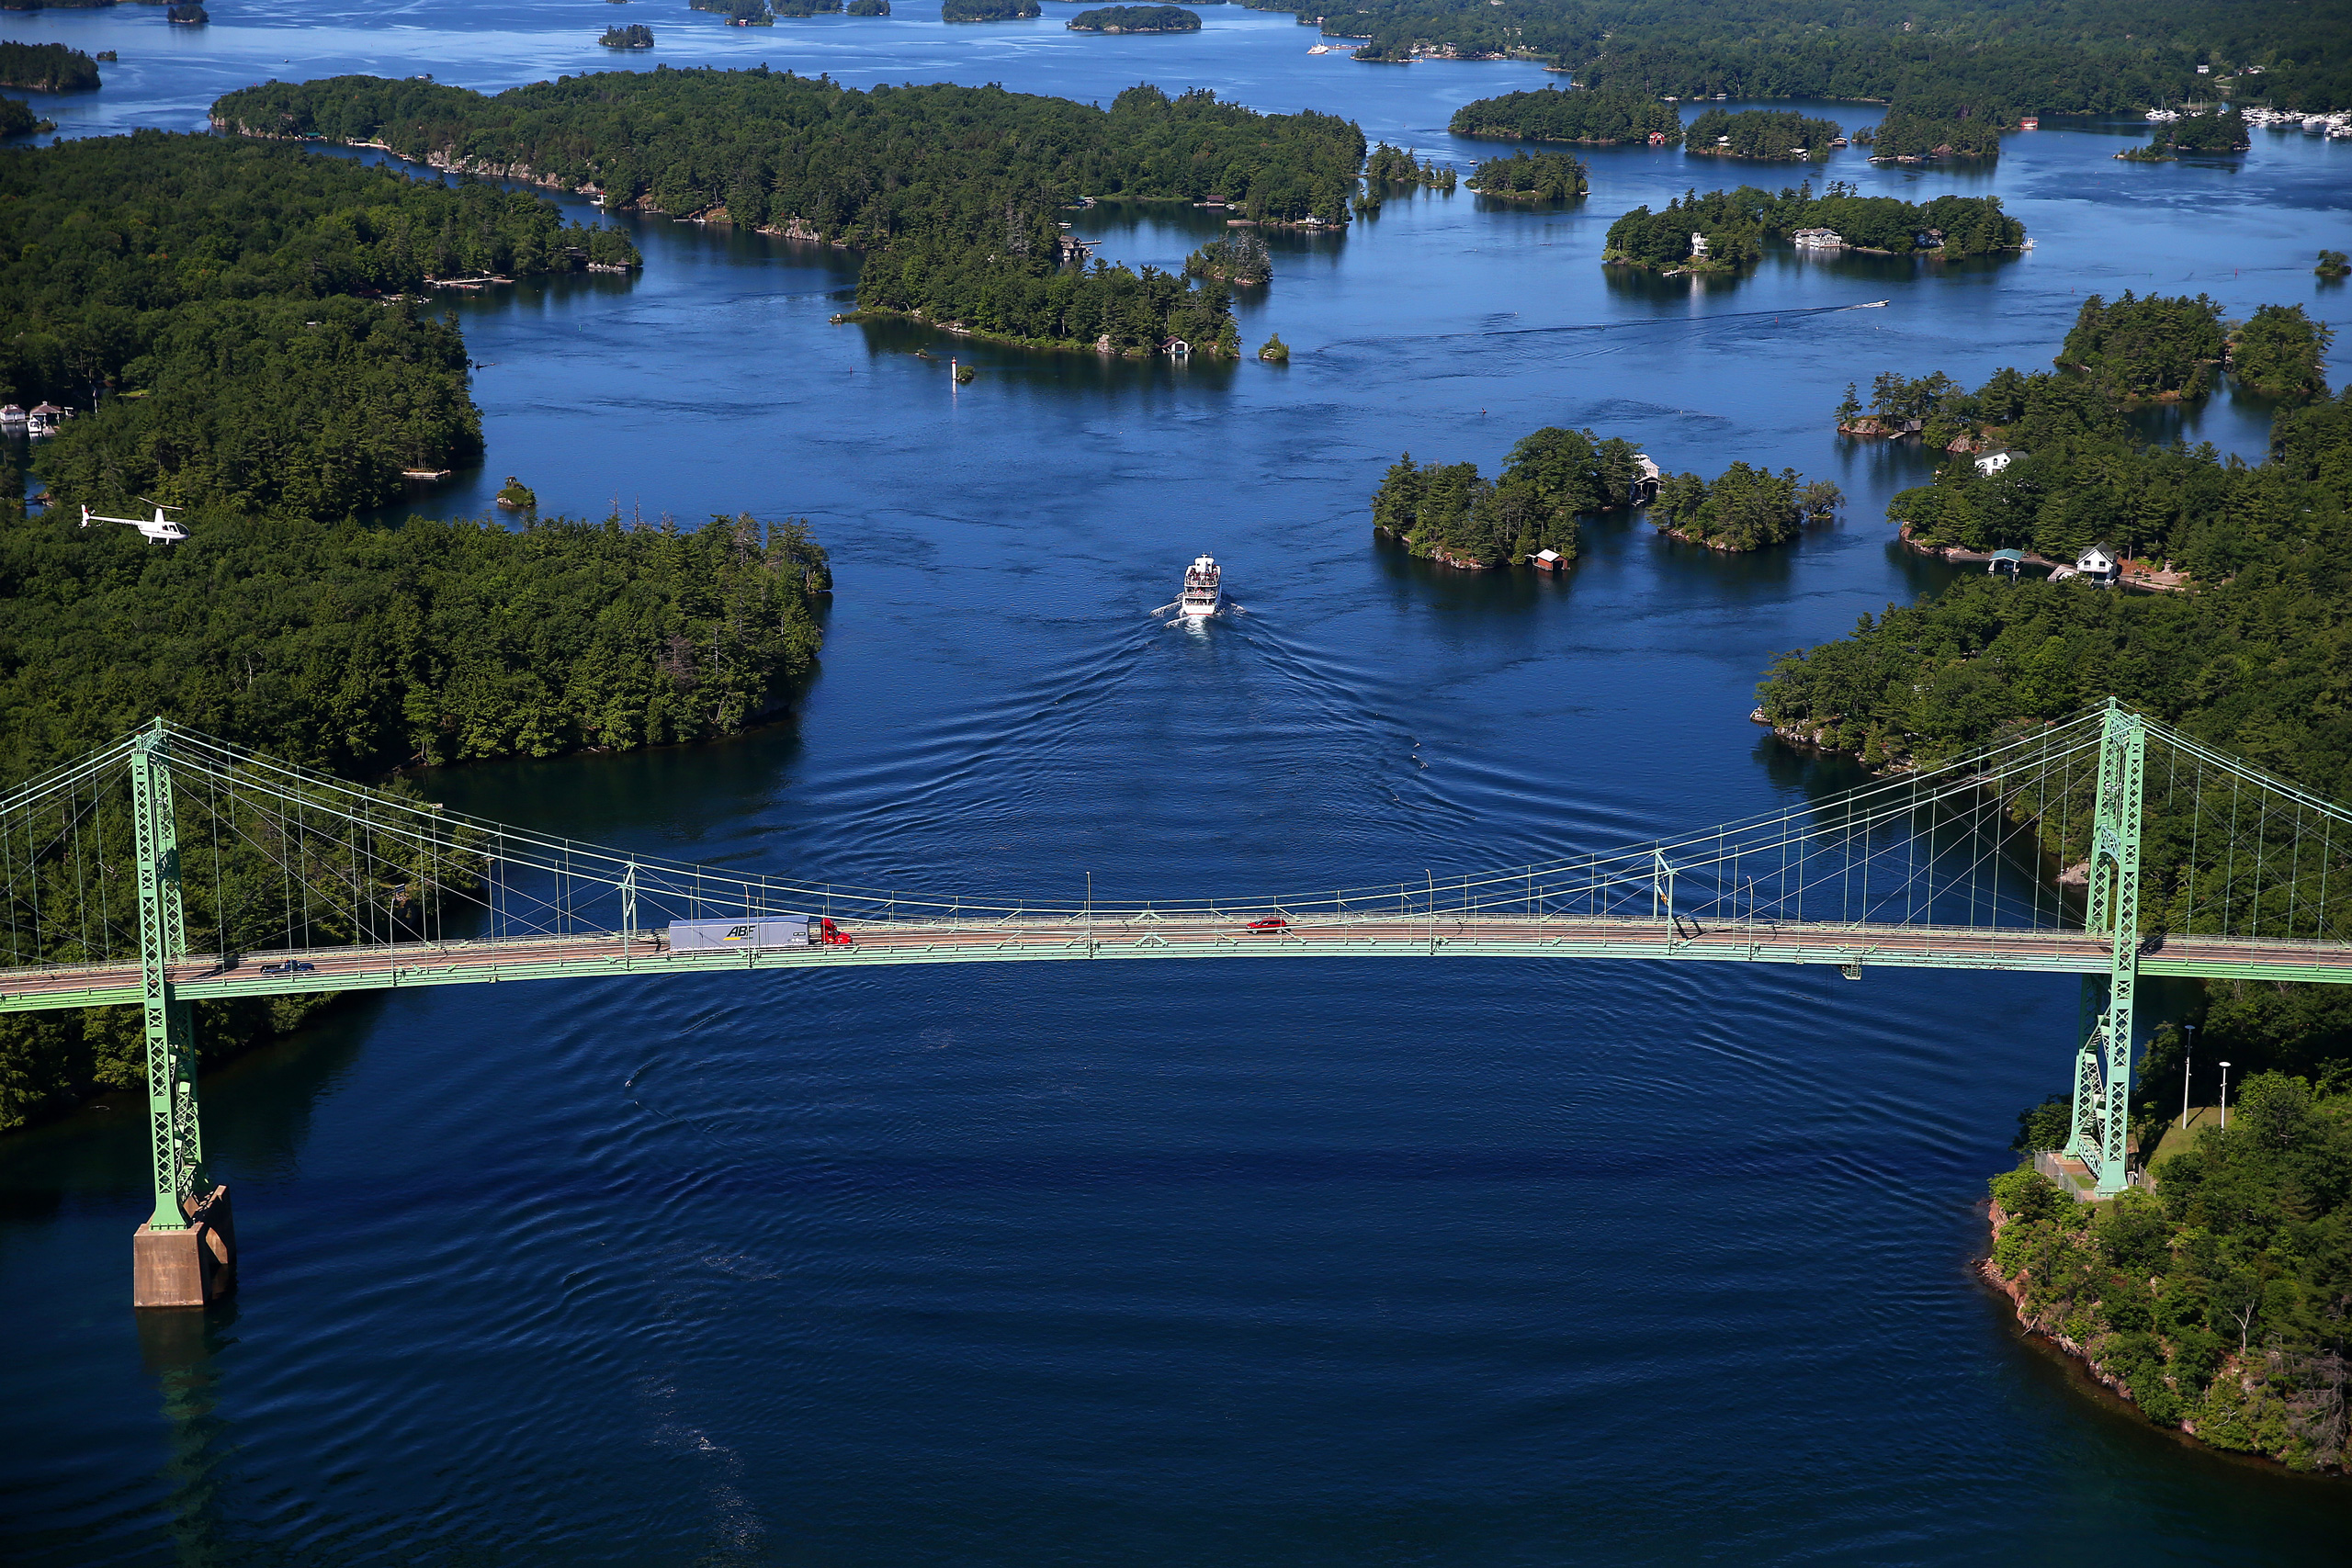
x=171, y=869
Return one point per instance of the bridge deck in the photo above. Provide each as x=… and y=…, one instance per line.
x=1034, y=939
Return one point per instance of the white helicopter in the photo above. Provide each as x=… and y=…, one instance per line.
x=160, y=530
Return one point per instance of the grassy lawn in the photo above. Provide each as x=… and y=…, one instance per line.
x=2178, y=1137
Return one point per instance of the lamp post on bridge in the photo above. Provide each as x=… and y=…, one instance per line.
x=2225, y=1096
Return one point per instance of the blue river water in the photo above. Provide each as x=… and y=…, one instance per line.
x=1242, y=1263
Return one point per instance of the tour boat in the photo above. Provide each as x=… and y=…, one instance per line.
x=1201, y=595
x=1320, y=49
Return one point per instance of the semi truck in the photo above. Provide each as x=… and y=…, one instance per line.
x=766, y=932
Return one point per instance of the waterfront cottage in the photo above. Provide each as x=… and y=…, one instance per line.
x=1818, y=240
x=2095, y=565
x=1548, y=561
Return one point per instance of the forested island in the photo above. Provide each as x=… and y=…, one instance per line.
x=1446, y=511
x=1761, y=134
x=1742, y=508
x=1732, y=227
x=1541, y=176
x=988, y=10
x=1240, y=258
x=1908, y=136
x=2222, y=131
x=1386, y=166
x=245, y=316
x=634, y=36
x=47, y=68
x=1557, y=114
x=1135, y=19
x=951, y=191
x=738, y=13
x=2069, y=57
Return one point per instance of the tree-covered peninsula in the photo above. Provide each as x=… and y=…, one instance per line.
x=1135, y=19
x=1762, y=134
x=1541, y=176
x=1735, y=226
x=1447, y=512
x=2256, y=660
x=2067, y=57
x=953, y=193
x=17, y=117
x=988, y=10
x=239, y=323
x=47, y=68
x=2215, y=1303
x=1557, y=114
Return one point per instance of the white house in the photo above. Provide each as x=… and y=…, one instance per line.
x=1994, y=462
x=44, y=420
x=2096, y=564
x=1698, y=244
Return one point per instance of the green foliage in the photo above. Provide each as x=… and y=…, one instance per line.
x=2223, y=131
x=516, y=494
x=1274, y=351
x=187, y=13
x=2043, y=1126
x=1396, y=165
x=1448, y=510
x=2150, y=347
x=317, y=405
x=1736, y=223
x=1135, y=19
x=358, y=648
x=1544, y=176
x=868, y=7
x=2258, y=662
x=1556, y=114
x=2220, y=1299
x=2281, y=350
x=47, y=68
x=1742, y=509
x=987, y=10
x=1240, y=258
x=635, y=36
x=1761, y=133
x=952, y=191
x=17, y=119
x=1908, y=135
x=738, y=13
x=1938, y=56
x=804, y=8
x=2333, y=264
x=102, y=240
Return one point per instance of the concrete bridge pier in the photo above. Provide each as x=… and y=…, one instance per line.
x=192, y=1267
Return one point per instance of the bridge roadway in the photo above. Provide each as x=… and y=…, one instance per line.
x=1034, y=938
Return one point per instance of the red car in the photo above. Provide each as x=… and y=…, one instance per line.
x=1271, y=923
